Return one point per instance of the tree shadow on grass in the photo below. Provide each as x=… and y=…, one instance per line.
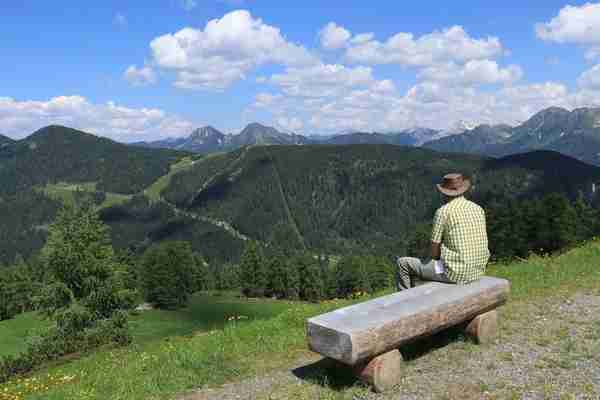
x=337, y=376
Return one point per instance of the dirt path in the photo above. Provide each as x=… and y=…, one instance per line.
x=548, y=349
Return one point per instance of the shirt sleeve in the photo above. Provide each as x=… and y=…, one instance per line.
x=438, y=226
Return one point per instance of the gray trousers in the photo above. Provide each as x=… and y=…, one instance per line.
x=410, y=268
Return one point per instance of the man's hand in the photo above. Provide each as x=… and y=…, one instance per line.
x=436, y=251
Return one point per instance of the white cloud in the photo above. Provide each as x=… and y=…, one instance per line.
x=291, y=124
x=362, y=38
x=225, y=51
x=333, y=36
x=590, y=79
x=322, y=80
x=140, y=77
x=266, y=99
x=451, y=44
x=435, y=104
x=474, y=72
x=458, y=77
x=120, y=19
x=573, y=24
x=188, y=5
x=20, y=118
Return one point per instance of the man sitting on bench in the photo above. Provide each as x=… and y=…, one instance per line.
x=459, y=244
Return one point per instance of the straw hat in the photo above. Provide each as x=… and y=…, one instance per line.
x=454, y=185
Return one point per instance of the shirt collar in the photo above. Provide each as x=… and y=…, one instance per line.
x=457, y=198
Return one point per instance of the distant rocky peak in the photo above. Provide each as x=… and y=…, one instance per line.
x=460, y=126
x=255, y=129
x=550, y=114
x=205, y=132
x=256, y=125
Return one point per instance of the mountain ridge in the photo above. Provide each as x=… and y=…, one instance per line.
x=575, y=133
x=56, y=153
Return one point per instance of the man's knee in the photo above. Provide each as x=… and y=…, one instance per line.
x=407, y=262
x=406, y=269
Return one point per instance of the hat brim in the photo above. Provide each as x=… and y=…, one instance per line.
x=456, y=192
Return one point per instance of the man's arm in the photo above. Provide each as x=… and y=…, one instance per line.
x=436, y=252
x=436, y=234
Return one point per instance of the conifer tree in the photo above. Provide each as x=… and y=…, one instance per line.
x=254, y=278
x=557, y=223
x=277, y=275
x=204, y=278
x=78, y=251
x=292, y=279
x=311, y=280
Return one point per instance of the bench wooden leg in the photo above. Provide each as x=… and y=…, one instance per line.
x=382, y=372
x=484, y=327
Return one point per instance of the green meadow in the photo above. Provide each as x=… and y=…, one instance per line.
x=65, y=192
x=205, y=312
x=220, y=338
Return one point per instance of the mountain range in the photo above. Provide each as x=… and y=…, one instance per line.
x=575, y=133
x=210, y=140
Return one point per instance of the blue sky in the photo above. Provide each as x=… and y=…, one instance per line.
x=140, y=70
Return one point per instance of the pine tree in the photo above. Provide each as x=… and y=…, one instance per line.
x=312, y=285
x=557, y=223
x=204, y=278
x=292, y=280
x=277, y=275
x=78, y=251
x=587, y=224
x=254, y=277
x=86, y=286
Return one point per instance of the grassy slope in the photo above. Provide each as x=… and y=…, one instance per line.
x=64, y=192
x=14, y=331
x=168, y=367
x=153, y=191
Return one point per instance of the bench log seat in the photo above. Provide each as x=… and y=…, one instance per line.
x=367, y=335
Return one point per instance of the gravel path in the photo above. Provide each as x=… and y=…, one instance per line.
x=547, y=349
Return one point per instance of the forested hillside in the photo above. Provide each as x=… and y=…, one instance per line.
x=57, y=153
x=365, y=198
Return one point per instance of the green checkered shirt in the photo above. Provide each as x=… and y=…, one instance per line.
x=459, y=226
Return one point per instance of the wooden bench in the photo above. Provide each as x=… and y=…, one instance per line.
x=367, y=336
